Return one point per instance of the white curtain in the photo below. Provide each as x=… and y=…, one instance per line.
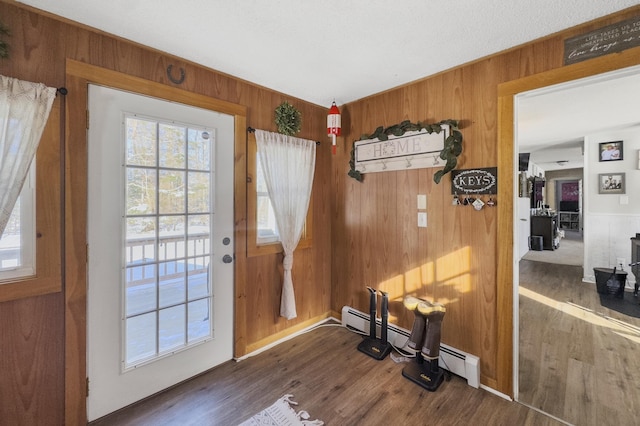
x=24, y=109
x=288, y=164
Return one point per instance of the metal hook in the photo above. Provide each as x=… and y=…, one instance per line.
x=173, y=80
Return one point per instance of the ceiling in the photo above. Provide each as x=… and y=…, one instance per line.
x=321, y=51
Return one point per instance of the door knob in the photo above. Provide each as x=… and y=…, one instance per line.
x=227, y=259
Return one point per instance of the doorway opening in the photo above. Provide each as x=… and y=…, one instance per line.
x=561, y=296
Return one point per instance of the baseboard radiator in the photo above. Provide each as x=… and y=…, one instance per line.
x=459, y=363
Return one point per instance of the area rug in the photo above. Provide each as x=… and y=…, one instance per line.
x=281, y=414
x=627, y=305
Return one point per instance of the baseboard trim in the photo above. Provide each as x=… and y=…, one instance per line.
x=275, y=339
x=495, y=392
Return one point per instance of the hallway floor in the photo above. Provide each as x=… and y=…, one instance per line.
x=578, y=359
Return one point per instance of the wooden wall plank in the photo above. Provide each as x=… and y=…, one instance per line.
x=336, y=267
x=40, y=45
x=31, y=361
x=467, y=250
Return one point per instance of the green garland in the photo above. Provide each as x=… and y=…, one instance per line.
x=4, y=46
x=288, y=119
x=452, y=145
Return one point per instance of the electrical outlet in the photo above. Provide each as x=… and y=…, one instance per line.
x=422, y=220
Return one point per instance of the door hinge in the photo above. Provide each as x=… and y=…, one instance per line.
x=87, y=256
x=87, y=386
x=87, y=119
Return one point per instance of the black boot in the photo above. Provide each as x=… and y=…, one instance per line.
x=419, y=323
x=434, y=314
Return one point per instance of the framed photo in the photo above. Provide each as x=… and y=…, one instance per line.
x=610, y=151
x=611, y=183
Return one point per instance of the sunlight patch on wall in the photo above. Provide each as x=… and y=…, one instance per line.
x=454, y=269
x=451, y=271
x=395, y=287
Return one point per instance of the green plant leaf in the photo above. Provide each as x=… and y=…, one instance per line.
x=356, y=175
x=4, y=46
x=288, y=119
x=398, y=131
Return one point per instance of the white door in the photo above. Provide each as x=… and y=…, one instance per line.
x=160, y=235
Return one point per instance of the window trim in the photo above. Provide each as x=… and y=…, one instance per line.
x=253, y=248
x=48, y=212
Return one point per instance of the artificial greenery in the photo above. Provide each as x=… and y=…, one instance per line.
x=452, y=145
x=4, y=46
x=288, y=119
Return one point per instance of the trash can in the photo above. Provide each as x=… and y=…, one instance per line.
x=610, y=281
x=536, y=243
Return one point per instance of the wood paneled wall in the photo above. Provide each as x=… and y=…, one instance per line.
x=364, y=233
x=32, y=378
x=454, y=261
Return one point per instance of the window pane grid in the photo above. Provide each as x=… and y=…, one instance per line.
x=167, y=289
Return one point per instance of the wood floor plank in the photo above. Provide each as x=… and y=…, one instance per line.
x=332, y=381
x=578, y=359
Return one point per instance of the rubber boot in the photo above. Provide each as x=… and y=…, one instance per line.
x=419, y=323
x=434, y=313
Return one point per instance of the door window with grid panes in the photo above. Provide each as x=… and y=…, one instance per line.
x=167, y=217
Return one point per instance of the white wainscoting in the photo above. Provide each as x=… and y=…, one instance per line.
x=607, y=237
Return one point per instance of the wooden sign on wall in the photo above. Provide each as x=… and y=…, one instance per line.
x=412, y=150
x=475, y=181
x=610, y=39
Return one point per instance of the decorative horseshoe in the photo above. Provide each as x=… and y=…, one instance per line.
x=173, y=80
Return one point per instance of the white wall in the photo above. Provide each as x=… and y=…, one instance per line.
x=610, y=220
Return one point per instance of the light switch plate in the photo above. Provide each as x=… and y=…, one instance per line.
x=422, y=201
x=422, y=220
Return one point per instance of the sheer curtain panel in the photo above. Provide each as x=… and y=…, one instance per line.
x=288, y=164
x=24, y=109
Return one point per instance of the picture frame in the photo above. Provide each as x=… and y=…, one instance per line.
x=611, y=183
x=610, y=151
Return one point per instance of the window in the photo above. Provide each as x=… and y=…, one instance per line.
x=262, y=233
x=40, y=217
x=168, y=205
x=17, y=244
x=266, y=225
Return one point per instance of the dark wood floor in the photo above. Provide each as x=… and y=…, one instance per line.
x=329, y=379
x=578, y=359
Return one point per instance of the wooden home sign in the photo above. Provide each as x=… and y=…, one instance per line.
x=412, y=150
x=610, y=39
x=474, y=181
